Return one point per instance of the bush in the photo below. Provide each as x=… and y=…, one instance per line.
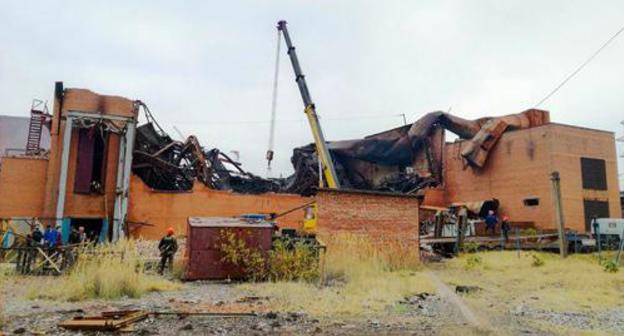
x=285, y=262
x=301, y=262
x=530, y=232
x=610, y=266
x=236, y=252
x=471, y=247
x=473, y=261
x=537, y=260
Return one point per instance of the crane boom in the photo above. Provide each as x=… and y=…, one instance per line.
x=328, y=168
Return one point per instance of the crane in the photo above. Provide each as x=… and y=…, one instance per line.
x=327, y=165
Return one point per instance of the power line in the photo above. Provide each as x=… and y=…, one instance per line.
x=591, y=58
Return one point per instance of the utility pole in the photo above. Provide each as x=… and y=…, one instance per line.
x=556, y=183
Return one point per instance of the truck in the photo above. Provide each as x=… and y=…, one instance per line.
x=608, y=232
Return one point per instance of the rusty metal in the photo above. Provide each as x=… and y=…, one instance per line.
x=205, y=257
x=165, y=164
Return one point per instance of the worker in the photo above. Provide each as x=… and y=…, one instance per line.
x=36, y=236
x=505, y=227
x=59, y=236
x=50, y=236
x=78, y=236
x=490, y=222
x=168, y=246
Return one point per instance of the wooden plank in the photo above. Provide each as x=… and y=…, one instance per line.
x=108, y=321
x=484, y=239
x=52, y=263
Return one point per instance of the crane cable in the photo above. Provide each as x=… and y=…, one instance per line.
x=591, y=58
x=269, y=154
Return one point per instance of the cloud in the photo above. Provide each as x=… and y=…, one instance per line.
x=207, y=66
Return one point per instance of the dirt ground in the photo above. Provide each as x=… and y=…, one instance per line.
x=506, y=295
x=422, y=315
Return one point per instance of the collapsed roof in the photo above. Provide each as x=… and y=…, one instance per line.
x=409, y=158
x=404, y=160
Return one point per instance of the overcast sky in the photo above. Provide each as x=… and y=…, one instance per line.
x=207, y=66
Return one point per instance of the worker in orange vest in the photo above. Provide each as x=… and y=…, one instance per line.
x=168, y=246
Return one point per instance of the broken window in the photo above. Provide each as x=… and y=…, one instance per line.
x=594, y=174
x=91, y=161
x=594, y=209
x=531, y=201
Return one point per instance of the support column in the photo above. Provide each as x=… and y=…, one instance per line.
x=124, y=166
x=62, y=187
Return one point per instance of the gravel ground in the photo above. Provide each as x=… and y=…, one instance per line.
x=611, y=321
x=422, y=314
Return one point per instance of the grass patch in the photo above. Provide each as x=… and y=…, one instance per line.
x=362, y=277
x=2, y=281
x=577, y=283
x=537, y=260
x=473, y=261
x=113, y=271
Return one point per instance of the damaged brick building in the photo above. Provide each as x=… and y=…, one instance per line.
x=96, y=175
x=106, y=173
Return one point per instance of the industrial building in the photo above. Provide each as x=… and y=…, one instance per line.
x=96, y=175
x=86, y=180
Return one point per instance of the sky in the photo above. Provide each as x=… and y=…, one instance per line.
x=206, y=67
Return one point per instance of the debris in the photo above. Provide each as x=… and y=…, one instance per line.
x=187, y=326
x=165, y=164
x=467, y=289
x=261, y=326
x=386, y=161
x=402, y=160
x=107, y=321
x=19, y=330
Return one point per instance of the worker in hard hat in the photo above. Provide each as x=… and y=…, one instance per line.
x=168, y=246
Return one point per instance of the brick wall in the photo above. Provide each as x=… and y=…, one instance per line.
x=22, y=182
x=163, y=209
x=380, y=216
x=520, y=165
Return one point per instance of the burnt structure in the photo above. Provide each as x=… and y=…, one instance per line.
x=169, y=165
x=408, y=158
x=404, y=160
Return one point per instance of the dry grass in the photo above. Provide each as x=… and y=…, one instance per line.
x=362, y=278
x=2, y=300
x=578, y=283
x=114, y=271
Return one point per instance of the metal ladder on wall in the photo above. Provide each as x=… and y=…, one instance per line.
x=38, y=116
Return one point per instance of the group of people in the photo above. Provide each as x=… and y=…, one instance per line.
x=491, y=220
x=52, y=236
